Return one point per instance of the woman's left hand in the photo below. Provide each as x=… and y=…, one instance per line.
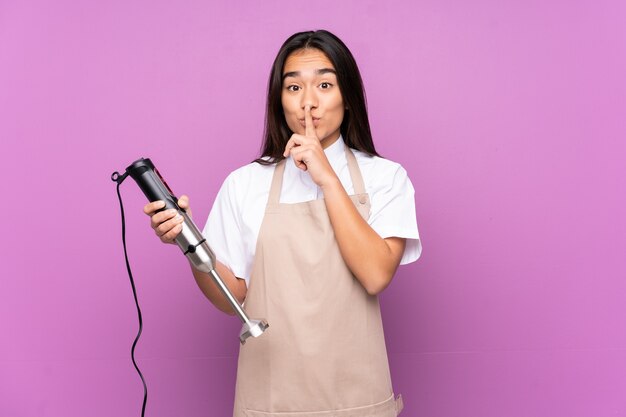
x=308, y=154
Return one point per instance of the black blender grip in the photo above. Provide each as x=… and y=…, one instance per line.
x=152, y=184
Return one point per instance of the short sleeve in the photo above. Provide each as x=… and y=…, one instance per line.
x=223, y=229
x=392, y=212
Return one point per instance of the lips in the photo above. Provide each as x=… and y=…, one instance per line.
x=316, y=122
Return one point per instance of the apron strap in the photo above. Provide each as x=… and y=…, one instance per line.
x=355, y=172
x=277, y=183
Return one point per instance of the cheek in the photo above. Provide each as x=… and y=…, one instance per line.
x=338, y=108
x=288, y=106
x=336, y=102
x=289, y=114
x=340, y=115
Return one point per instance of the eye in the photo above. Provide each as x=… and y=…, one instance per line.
x=293, y=87
x=325, y=85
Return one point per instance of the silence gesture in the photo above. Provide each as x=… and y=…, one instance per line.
x=308, y=154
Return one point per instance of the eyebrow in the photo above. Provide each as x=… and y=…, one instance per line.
x=318, y=72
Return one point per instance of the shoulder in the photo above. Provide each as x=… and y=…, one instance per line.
x=247, y=186
x=249, y=175
x=378, y=171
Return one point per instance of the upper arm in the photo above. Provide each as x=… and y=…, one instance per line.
x=393, y=213
x=396, y=247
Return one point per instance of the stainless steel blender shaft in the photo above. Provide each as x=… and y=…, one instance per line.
x=200, y=255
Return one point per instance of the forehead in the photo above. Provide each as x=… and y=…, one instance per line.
x=309, y=59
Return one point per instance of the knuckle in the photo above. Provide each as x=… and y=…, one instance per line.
x=171, y=235
x=153, y=222
x=162, y=229
x=156, y=221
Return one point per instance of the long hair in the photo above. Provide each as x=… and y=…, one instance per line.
x=355, y=127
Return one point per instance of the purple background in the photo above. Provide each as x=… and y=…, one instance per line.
x=509, y=117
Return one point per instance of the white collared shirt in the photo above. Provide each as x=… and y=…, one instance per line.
x=233, y=225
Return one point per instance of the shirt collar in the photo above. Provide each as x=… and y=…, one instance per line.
x=335, y=151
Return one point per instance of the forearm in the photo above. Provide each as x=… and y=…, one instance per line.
x=372, y=259
x=236, y=286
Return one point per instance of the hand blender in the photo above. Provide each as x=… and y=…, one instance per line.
x=190, y=240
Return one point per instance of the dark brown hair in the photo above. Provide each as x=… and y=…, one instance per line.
x=355, y=127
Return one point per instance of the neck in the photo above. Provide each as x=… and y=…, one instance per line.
x=329, y=140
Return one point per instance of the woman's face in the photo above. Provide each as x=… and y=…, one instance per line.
x=309, y=79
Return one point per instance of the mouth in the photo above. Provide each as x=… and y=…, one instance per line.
x=315, y=121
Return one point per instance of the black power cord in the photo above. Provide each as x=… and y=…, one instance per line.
x=119, y=179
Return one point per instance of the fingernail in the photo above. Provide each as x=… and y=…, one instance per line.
x=179, y=217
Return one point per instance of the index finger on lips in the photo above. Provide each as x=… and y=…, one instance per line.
x=309, y=128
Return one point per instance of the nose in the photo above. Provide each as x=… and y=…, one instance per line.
x=309, y=98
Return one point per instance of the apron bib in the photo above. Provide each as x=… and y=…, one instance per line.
x=324, y=353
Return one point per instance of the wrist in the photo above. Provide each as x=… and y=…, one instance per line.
x=332, y=184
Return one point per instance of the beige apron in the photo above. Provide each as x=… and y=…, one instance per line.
x=324, y=353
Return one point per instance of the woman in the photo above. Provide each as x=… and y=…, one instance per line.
x=308, y=235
